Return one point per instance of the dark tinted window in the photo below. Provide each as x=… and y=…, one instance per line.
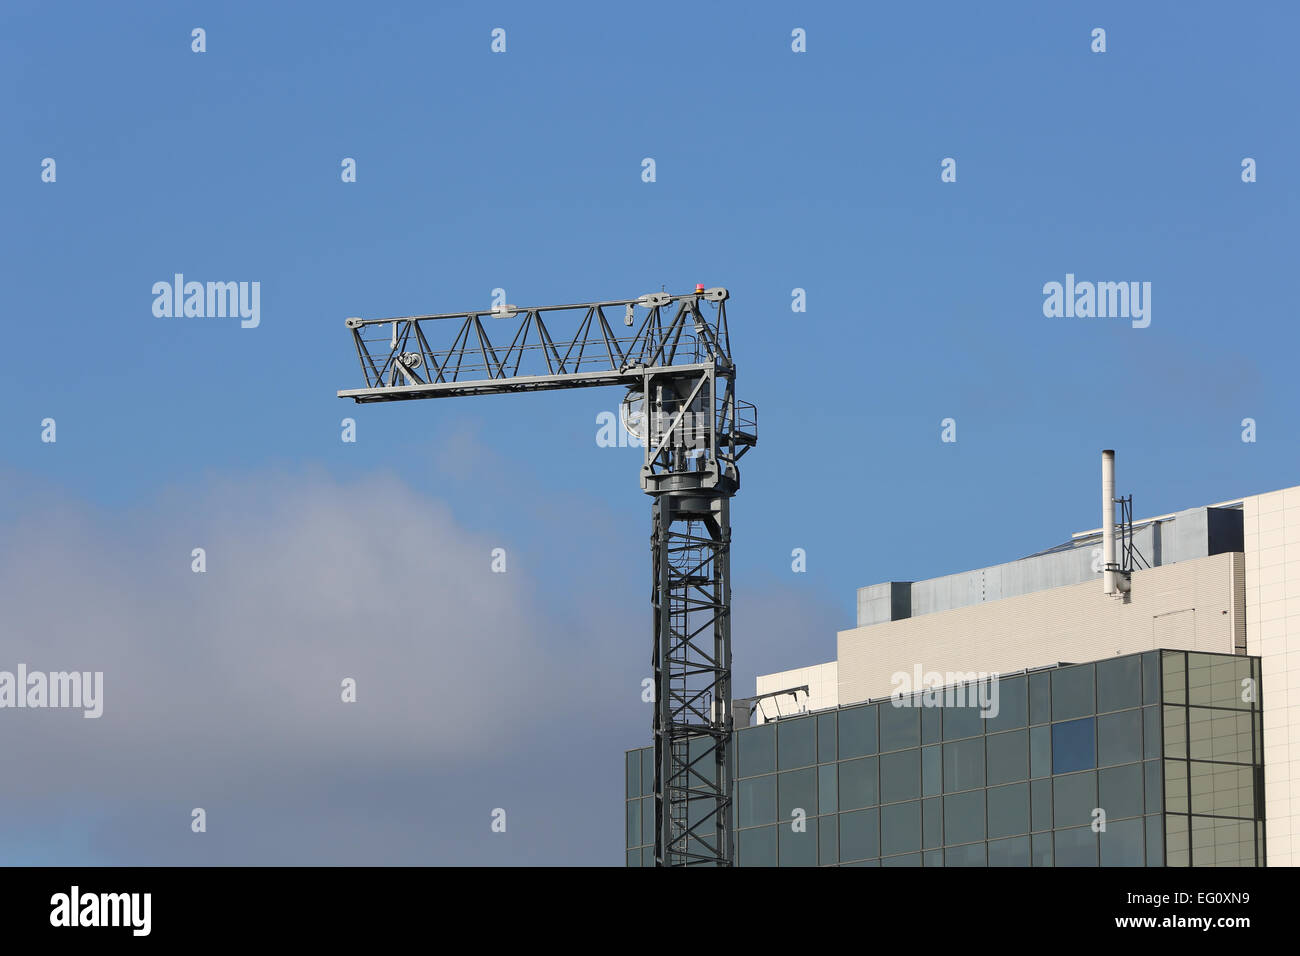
x=798, y=847
x=899, y=727
x=900, y=776
x=1119, y=737
x=859, y=835
x=1040, y=751
x=962, y=721
x=963, y=764
x=931, y=725
x=1076, y=847
x=633, y=773
x=857, y=731
x=1151, y=732
x=1119, y=683
x=858, y=786
x=1072, y=692
x=797, y=790
x=965, y=855
x=827, y=789
x=963, y=817
x=931, y=771
x=828, y=840
x=1040, y=698
x=932, y=823
x=1008, y=810
x=1013, y=852
x=1073, y=745
x=1011, y=695
x=757, y=847
x=634, y=823
x=1008, y=756
x=1119, y=791
x=900, y=828
x=756, y=801
x=826, y=733
x=796, y=743
x=1040, y=798
x=756, y=750
x=1074, y=797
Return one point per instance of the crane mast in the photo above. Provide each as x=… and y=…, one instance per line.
x=675, y=362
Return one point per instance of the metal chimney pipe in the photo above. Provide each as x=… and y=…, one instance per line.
x=1108, y=520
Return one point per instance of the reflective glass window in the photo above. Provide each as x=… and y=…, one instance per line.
x=963, y=721
x=1073, y=745
x=900, y=776
x=932, y=823
x=972, y=855
x=827, y=789
x=899, y=727
x=1040, y=751
x=1072, y=692
x=1040, y=697
x=828, y=840
x=1119, y=737
x=931, y=771
x=1008, y=756
x=1012, y=852
x=1121, y=843
x=826, y=735
x=963, y=764
x=1076, y=847
x=931, y=725
x=633, y=822
x=1008, y=810
x=1042, y=849
x=1173, y=677
x=1040, y=799
x=858, y=784
x=1119, y=683
x=756, y=750
x=1011, y=697
x=796, y=743
x=963, y=817
x=1119, y=791
x=857, y=731
x=633, y=773
x=900, y=828
x=797, y=790
x=798, y=847
x=859, y=835
x=1074, y=797
x=756, y=847
x=756, y=801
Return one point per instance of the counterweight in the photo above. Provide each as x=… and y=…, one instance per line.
x=681, y=402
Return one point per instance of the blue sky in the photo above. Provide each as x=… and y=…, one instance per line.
x=775, y=170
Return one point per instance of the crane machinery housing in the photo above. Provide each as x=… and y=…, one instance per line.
x=680, y=378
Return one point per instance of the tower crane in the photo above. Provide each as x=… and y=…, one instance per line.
x=675, y=362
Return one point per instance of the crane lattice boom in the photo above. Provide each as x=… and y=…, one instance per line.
x=675, y=361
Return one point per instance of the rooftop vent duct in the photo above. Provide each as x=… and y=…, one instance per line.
x=1108, y=521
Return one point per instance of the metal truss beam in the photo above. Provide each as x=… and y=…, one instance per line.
x=546, y=347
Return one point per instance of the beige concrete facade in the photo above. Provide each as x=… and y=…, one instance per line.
x=1189, y=605
x=1272, y=541
x=823, y=691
